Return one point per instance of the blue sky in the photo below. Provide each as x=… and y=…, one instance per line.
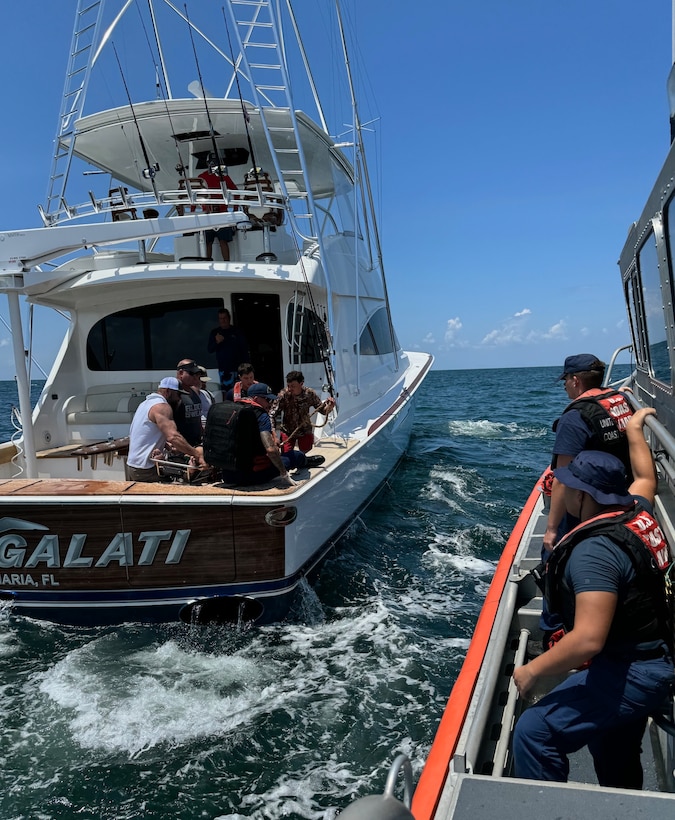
x=515, y=143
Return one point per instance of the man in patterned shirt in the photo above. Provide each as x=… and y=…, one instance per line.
x=294, y=402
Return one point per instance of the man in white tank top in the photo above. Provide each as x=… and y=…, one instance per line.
x=153, y=428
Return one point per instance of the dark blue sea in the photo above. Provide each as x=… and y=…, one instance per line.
x=293, y=720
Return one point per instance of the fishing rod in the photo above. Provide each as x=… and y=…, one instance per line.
x=151, y=168
x=361, y=162
x=212, y=132
x=164, y=89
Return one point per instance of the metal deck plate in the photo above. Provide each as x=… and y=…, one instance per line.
x=508, y=799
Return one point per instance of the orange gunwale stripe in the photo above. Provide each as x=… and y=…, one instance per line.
x=431, y=782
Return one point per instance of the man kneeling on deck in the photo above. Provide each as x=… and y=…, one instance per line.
x=244, y=447
x=607, y=580
x=152, y=428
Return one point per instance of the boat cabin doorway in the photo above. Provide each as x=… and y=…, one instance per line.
x=258, y=316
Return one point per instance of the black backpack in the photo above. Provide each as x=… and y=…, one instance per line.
x=231, y=436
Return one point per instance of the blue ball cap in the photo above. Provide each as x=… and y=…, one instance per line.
x=261, y=389
x=581, y=363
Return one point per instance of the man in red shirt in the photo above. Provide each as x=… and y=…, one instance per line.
x=213, y=178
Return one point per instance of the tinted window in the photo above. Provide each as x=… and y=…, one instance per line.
x=376, y=338
x=652, y=297
x=153, y=337
x=638, y=332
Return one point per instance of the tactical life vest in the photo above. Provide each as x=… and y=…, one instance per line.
x=606, y=416
x=188, y=417
x=232, y=437
x=643, y=615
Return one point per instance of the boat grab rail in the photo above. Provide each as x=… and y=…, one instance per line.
x=488, y=677
x=502, y=747
x=665, y=454
x=386, y=806
x=175, y=199
x=401, y=763
x=664, y=722
x=607, y=381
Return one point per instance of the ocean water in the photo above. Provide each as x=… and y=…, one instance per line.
x=293, y=720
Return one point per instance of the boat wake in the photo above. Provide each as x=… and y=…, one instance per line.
x=212, y=709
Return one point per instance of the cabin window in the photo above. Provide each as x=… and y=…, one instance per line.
x=153, y=337
x=653, y=302
x=376, y=338
x=635, y=314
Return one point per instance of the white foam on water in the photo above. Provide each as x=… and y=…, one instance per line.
x=466, y=564
x=354, y=658
x=476, y=429
x=162, y=694
x=165, y=694
x=484, y=429
x=8, y=645
x=457, y=549
x=295, y=793
x=453, y=487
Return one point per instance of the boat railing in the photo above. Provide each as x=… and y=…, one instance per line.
x=489, y=676
x=508, y=718
x=386, y=806
x=662, y=442
x=665, y=453
x=123, y=205
x=608, y=381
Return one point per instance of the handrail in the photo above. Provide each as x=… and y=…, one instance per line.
x=665, y=455
x=401, y=762
x=502, y=747
x=664, y=723
x=608, y=372
x=385, y=806
x=146, y=199
x=666, y=439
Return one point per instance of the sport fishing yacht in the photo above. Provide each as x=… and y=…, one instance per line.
x=121, y=252
x=469, y=770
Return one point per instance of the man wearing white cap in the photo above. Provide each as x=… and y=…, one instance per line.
x=153, y=428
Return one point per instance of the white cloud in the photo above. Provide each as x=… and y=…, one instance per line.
x=514, y=332
x=429, y=339
x=503, y=336
x=452, y=329
x=557, y=331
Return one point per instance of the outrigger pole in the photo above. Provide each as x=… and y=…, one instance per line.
x=360, y=163
x=23, y=387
